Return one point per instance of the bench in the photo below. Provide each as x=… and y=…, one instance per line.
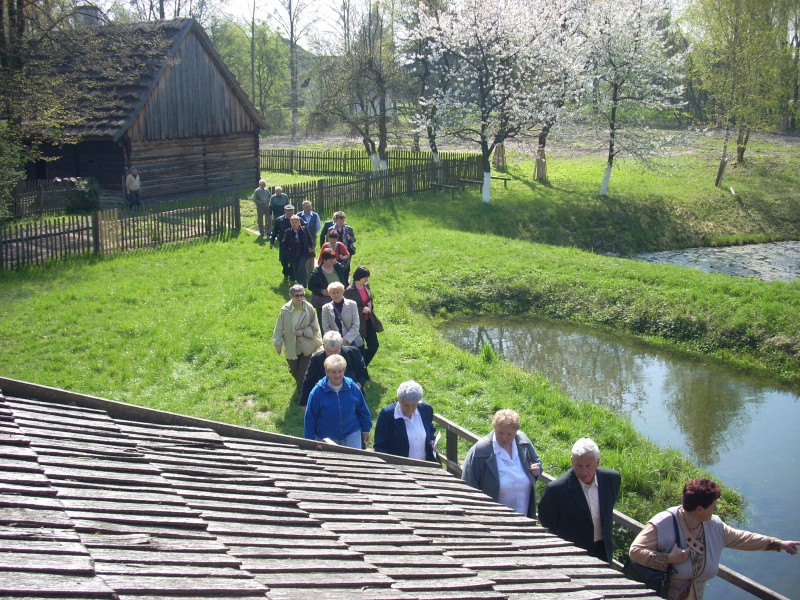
x=505, y=180
x=475, y=181
x=444, y=186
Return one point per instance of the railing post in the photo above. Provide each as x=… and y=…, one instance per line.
x=451, y=451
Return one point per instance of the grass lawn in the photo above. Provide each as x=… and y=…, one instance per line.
x=188, y=328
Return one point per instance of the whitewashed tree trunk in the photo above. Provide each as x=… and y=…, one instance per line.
x=606, y=179
x=487, y=180
x=384, y=166
x=376, y=162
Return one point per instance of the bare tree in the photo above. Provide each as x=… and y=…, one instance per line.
x=296, y=21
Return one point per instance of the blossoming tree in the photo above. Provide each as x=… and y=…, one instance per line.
x=505, y=65
x=634, y=67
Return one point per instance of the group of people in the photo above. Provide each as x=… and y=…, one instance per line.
x=579, y=507
x=330, y=372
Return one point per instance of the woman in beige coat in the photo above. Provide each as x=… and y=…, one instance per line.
x=297, y=333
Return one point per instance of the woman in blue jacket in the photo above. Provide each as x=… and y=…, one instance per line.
x=405, y=427
x=336, y=408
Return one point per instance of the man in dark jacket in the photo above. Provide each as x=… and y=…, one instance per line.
x=279, y=228
x=579, y=505
x=332, y=344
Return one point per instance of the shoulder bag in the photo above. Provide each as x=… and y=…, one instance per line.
x=658, y=581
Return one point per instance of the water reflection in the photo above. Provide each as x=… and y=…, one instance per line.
x=589, y=365
x=738, y=427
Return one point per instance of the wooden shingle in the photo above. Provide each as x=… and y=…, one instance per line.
x=162, y=510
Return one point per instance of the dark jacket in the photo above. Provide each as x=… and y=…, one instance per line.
x=355, y=370
x=318, y=282
x=297, y=246
x=565, y=512
x=351, y=293
x=480, y=467
x=391, y=436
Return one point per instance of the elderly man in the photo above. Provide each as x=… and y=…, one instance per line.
x=277, y=202
x=261, y=200
x=579, y=505
x=133, y=185
x=332, y=344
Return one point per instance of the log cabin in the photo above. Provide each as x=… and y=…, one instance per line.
x=172, y=109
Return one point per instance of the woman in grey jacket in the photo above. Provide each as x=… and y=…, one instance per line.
x=504, y=465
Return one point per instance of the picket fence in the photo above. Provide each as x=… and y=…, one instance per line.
x=110, y=231
x=347, y=162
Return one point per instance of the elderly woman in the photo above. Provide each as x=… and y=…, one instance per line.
x=296, y=333
x=336, y=408
x=322, y=276
x=370, y=325
x=341, y=314
x=504, y=465
x=405, y=427
x=702, y=536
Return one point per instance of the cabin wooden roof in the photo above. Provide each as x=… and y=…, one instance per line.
x=103, y=500
x=116, y=94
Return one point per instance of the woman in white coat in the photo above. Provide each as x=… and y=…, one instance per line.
x=341, y=314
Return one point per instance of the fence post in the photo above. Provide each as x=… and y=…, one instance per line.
x=409, y=180
x=208, y=217
x=291, y=161
x=237, y=212
x=96, y=232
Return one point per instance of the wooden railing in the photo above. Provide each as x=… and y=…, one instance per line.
x=449, y=459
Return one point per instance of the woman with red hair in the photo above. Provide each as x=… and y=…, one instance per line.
x=702, y=535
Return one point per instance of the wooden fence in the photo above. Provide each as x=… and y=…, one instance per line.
x=346, y=162
x=337, y=193
x=109, y=231
x=40, y=197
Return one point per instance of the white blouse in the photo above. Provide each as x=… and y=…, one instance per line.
x=515, y=487
x=415, y=431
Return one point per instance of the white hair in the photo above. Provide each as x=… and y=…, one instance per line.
x=331, y=340
x=409, y=391
x=583, y=447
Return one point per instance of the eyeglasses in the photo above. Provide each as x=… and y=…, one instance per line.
x=301, y=295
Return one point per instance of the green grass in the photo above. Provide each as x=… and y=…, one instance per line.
x=188, y=328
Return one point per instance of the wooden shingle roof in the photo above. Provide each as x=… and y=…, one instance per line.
x=136, y=59
x=96, y=504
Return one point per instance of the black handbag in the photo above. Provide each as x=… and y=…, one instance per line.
x=658, y=581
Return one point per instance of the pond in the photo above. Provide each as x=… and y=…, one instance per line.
x=740, y=428
x=778, y=261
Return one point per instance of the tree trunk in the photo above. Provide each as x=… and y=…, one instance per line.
x=741, y=143
x=486, y=163
x=541, y=165
x=540, y=171
x=724, y=160
x=606, y=180
x=500, y=157
x=612, y=140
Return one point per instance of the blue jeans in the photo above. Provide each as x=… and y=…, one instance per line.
x=299, y=268
x=351, y=440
